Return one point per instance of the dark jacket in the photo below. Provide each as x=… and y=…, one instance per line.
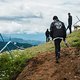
x=47, y=33
x=70, y=20
x=57, y=29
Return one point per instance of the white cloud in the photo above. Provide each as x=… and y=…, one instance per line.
x=30, y=16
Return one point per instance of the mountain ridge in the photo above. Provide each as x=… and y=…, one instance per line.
x=20, y=40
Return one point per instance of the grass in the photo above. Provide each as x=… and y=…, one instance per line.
x=74, y=39
x=12, y=64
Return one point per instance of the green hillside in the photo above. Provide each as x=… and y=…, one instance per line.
x=12, y=64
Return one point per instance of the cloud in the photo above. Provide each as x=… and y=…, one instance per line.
x=31, y=16
x=19, y=18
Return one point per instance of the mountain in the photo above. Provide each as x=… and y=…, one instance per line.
x=21, y=40
x=12, y=46
x=34, y=42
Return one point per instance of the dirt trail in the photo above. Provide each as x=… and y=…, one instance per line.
x=43, y=67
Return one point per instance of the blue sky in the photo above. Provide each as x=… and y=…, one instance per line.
x=34, y=16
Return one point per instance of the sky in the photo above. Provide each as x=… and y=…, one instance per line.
x=34, y=16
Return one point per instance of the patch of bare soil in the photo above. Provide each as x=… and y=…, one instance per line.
x=44, y=67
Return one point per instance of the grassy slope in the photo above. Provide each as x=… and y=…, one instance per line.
x=14, y=63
